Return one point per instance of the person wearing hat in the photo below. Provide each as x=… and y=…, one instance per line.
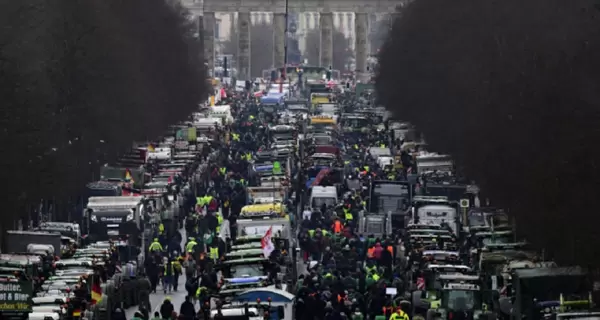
x=166, y=309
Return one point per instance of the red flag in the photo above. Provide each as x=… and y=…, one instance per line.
x=420, y=283
x=266, y=243
x=320, y=176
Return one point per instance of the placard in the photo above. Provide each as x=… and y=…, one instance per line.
x=15, y=296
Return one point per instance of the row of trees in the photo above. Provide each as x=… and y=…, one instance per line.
x=261, y=45
x=511, y=90
x=80, y=80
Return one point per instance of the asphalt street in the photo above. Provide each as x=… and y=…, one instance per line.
x=177, y=298
x=156, y=299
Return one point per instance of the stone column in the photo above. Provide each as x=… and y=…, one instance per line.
x=279, y=39
x=361, y=23
x=243, y=56
x=326, y=53
x=209, y=41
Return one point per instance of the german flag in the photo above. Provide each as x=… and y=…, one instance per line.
x=96, y=290
x=128, y=176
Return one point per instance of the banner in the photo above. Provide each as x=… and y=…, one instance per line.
x=15, y=296
x=320, y=176
x=266, y=243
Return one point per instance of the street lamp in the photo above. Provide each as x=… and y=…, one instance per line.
x=285, y=49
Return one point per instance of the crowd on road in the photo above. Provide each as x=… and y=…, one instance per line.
x=287, y=201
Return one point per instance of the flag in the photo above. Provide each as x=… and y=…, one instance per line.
x=420, y=283
x=128, y=176
x=276, y=167
x=151, y=148
x=96, y=290
x=266, y=243
x=320, y=176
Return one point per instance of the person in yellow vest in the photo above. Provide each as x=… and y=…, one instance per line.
x=214, y=253
x=161, y=228
x=235, y=137
x=348, y=214
x=155, y=246
x=399, y=315
x=219, y=221
x=189, y=247
x=199, y=202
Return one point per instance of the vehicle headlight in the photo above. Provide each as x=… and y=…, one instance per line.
x=94, y=218
x=130, y=217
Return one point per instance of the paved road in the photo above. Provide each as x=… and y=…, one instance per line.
x=156, y=299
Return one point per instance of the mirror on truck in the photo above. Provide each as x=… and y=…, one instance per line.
x=281, y=312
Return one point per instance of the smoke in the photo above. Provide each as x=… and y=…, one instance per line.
x=80, y=80
x=511, y=89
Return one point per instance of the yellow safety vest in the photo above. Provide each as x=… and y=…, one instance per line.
x=161, y=228
x=348, y=215
x=190, y=246
x=214, y=253
x=372, y=269
x=155, y=246
x=199, y=290
x=219, y=222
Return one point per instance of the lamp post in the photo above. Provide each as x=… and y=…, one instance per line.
x=285, y=50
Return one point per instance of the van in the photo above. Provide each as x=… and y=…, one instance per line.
x=221, y=112
x=323, y=195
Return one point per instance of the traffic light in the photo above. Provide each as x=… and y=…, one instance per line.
x=225, y=67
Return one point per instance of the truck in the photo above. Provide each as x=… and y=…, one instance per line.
x=538, y=291
x=257, y=195
x=391, y=197
x=119, y=174
x=19, y=241
x=436, y=211
x=114, y=217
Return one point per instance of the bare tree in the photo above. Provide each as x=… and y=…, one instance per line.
x=80, y=81
x=511, y=90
